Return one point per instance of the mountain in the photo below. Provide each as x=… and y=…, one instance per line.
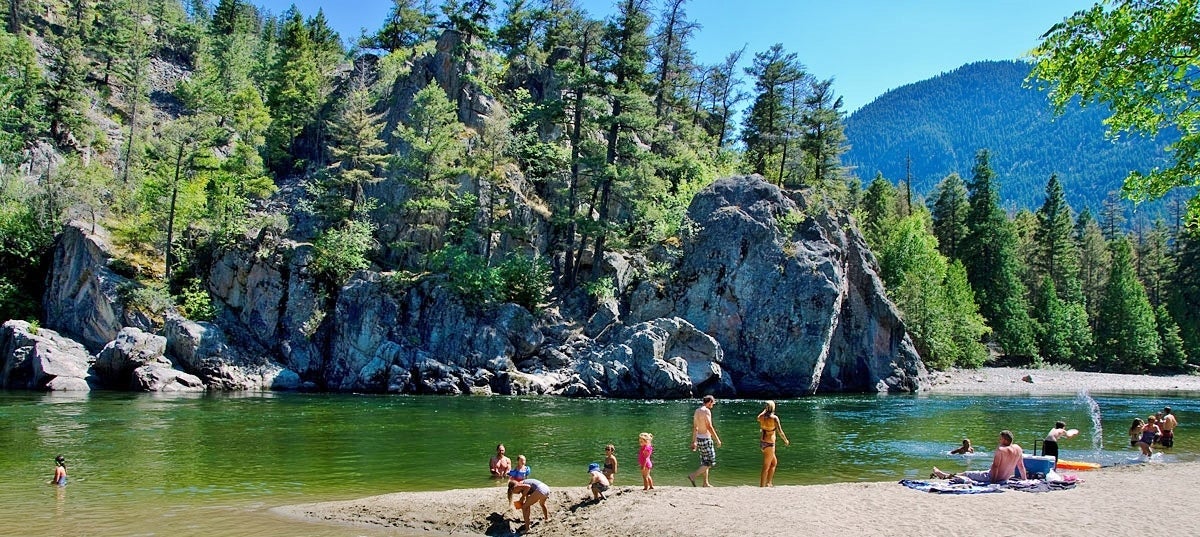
x=941, y=122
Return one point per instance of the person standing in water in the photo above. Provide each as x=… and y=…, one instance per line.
x=60, y=471
x=703, y=436
x=768, y=424
x=1050, y=443
x=1167, y=424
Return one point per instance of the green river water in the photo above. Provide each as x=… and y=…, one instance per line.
x=214, y=465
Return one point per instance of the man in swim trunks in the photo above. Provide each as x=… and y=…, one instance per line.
x=1008, y=459
x=1167, y=424
x=703, y=436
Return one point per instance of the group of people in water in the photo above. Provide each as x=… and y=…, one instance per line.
x=1157, y=430
x=705, y=440
x=1009, y=459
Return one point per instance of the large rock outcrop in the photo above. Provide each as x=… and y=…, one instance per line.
x=790, y=292
x=41, y=359
x=84, y=298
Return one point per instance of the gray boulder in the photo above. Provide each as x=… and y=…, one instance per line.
x=659, y=358
x=41, y=359
x=132, y=349
x=159, y=378
x=790, y=292
x=200, y=348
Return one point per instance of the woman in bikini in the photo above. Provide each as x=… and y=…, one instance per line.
x=768, y=423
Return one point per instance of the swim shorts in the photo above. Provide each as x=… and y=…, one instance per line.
x=708, y=454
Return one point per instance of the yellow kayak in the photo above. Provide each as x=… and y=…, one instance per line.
x=1076, y=465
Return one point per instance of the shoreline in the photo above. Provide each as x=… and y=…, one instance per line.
x=1015, y=381
x=1099, y=505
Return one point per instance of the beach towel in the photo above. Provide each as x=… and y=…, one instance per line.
x=942, y=487
x=1038, y=485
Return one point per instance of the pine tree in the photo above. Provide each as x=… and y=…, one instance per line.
x=22, y=108
x=294, y=92
x=433, y=149
x=989, y=254
x=1112, y=216
x=407, y=25
x=950, y=210
x=1126, y=334
x=359, y=155
x=1055, y=254
x=967, y=326
x=629, y=117
x=1184, y=298
x=65, y=100
x=1095, y=262
x=724, y=95
x=879, y=210
x=823, y=137
x=773, y=71
x=1171, y=355
x=1154, y=264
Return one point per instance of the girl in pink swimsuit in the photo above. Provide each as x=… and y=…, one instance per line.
x=644, y=453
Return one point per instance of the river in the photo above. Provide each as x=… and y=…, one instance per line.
x=213, y=465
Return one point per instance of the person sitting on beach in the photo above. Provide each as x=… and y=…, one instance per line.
x=532, y=492
x=1009, y=458
x=599, y=483
x=965, y=448
x=610, y=463
x=1149, y=431
x=499, y=464
x=1168, y=424
x=1050, y=444
x=60, y=471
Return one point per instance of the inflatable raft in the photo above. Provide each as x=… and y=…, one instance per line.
x=1076, y=465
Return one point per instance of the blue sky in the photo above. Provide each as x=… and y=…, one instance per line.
x=866, y=46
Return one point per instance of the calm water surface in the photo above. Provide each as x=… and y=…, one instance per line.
x=213, y=465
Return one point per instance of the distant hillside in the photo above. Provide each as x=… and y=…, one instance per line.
x=943, y=121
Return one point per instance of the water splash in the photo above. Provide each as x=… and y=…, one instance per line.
x=1097, y=428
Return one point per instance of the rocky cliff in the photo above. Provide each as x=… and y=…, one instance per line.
x=769, y=295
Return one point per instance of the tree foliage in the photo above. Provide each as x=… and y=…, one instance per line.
x=1139, y=58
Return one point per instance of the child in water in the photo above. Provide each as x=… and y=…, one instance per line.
x=610, y=463
x=644, y=453
x=964, y=449
x=60, y=471
x=599, y=483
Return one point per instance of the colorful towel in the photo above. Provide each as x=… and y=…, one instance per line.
x=948, y=488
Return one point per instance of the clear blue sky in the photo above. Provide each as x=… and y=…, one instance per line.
x=866, y=46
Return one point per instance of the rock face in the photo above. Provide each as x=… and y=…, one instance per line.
x=41, y=359
x=790, y=293
x=83, y=298
x=770, y=296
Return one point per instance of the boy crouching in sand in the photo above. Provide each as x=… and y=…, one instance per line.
x=599, y=482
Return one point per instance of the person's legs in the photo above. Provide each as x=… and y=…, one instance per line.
x=707, y=460
x=766, y=467
x=525, y=516
x=1145, y=449
x=771, y=470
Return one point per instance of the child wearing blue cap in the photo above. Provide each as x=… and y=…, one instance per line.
x=599, y=483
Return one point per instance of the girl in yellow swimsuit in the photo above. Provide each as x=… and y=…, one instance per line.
x=769, y=424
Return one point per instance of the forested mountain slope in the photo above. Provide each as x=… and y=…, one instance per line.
x=941, y=122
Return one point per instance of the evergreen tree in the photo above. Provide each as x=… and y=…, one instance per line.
x=879, y=210
x=773, y=70
x=629, y=116
x=433, y=150
x=65, y=100
x=1112, y=216
x=1184, y=299
x=1126, y=334
x=1171, y=355
x=967, y=326
x=724, y=96
x=989, y=255
x=359, y=156
x=1055, y=254
x=950, y=210
x=823, y=136
x=407, y=25
x=22, y=107
x=294, y=92
x=1154, y=264
x=1095, y=262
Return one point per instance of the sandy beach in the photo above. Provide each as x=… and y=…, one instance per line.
x=1105, y=502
